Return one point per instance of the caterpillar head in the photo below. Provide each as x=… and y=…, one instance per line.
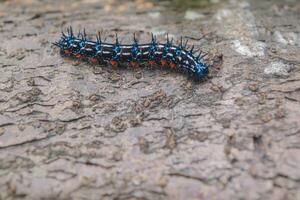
x=201, y=70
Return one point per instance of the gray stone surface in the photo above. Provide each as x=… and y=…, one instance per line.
x=70, y=130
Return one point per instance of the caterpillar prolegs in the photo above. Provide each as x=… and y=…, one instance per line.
x=177, y=57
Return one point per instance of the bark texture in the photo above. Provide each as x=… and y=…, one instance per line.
x=69, y=130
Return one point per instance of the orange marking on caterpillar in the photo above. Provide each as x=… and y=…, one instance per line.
x=67, y=51
x=133, y=63
x=113, y=62
x=163, y=62
x=78, y=55
x=172, y=65
x=93, y=59
x=152, y=62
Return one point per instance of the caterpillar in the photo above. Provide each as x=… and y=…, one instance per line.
x=177, y=57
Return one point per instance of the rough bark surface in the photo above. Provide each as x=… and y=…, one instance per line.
x=73, y=130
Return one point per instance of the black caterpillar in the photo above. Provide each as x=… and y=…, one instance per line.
x=167, y=54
